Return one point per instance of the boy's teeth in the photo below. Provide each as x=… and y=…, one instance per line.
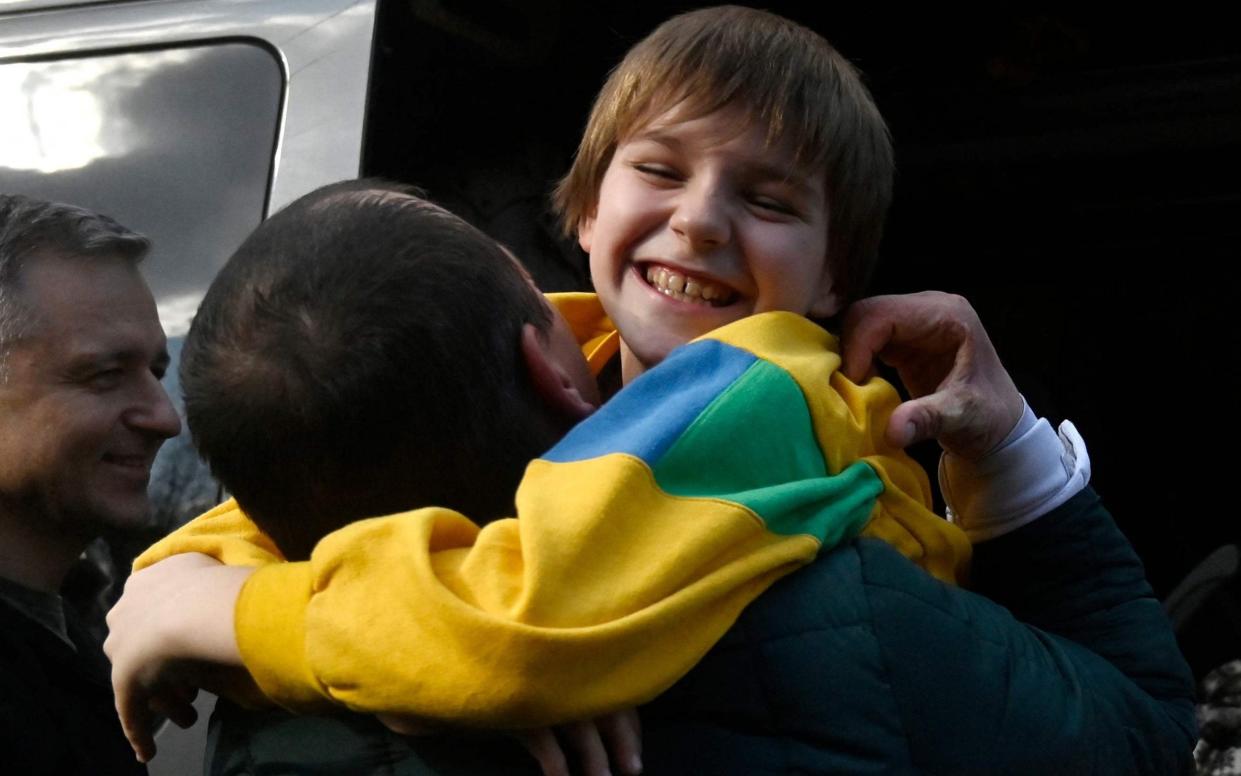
x=678, y=286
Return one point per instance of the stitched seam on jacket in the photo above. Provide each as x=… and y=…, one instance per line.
x=756, y=666
x=883, y=660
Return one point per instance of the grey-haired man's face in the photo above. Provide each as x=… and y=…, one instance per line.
x=82, y=410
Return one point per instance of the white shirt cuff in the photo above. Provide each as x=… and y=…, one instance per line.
x=1033, y=471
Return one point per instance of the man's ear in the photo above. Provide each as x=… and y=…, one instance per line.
x=550, y=379
x=826, y=302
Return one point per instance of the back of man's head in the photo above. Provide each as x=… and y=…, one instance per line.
x=358, y=356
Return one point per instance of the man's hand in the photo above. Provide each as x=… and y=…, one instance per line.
x=962, y=394
x=174, y=618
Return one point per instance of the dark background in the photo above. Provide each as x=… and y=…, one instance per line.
x=1076, y=175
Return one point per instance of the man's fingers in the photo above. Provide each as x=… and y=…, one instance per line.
x=622, y=734
x=925, y=326
x=865, y=332
x=950, y=415
x=963, y=422
x=962, y=395
x=543, y=747
x=917, y=420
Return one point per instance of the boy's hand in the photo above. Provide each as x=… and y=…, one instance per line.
x=613, y=739
x=962, y=395
x=174, y=619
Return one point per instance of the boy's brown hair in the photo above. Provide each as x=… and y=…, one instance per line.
x=785, y=76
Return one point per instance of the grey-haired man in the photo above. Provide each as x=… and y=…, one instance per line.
x=82, y=415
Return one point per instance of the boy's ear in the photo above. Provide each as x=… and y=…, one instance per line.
x=585, y=231
x=550, y=379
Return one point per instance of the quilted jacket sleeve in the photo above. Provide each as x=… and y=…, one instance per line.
x=862, y=663
x=1080, y=674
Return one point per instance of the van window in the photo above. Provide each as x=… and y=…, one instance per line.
x=175, y=143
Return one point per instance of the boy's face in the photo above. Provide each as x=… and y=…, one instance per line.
x=700, y=223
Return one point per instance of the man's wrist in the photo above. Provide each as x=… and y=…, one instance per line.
x=1033, y=471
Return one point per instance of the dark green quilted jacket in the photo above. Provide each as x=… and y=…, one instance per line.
x=861, y=663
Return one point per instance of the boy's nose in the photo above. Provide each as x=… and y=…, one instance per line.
x=701, y=217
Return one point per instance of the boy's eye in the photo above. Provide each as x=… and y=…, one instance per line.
x=660, y=171
x=773, y=205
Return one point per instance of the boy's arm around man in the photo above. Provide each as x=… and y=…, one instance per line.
x=631, y=557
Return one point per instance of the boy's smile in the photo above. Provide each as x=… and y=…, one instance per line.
x=699, y=224
x=687, y=286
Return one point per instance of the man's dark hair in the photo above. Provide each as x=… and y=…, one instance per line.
x=29, y=227
x=359, y=356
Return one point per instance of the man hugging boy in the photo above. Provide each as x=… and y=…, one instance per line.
x=709, y=188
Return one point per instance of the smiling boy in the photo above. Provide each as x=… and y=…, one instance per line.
x=704, y=167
